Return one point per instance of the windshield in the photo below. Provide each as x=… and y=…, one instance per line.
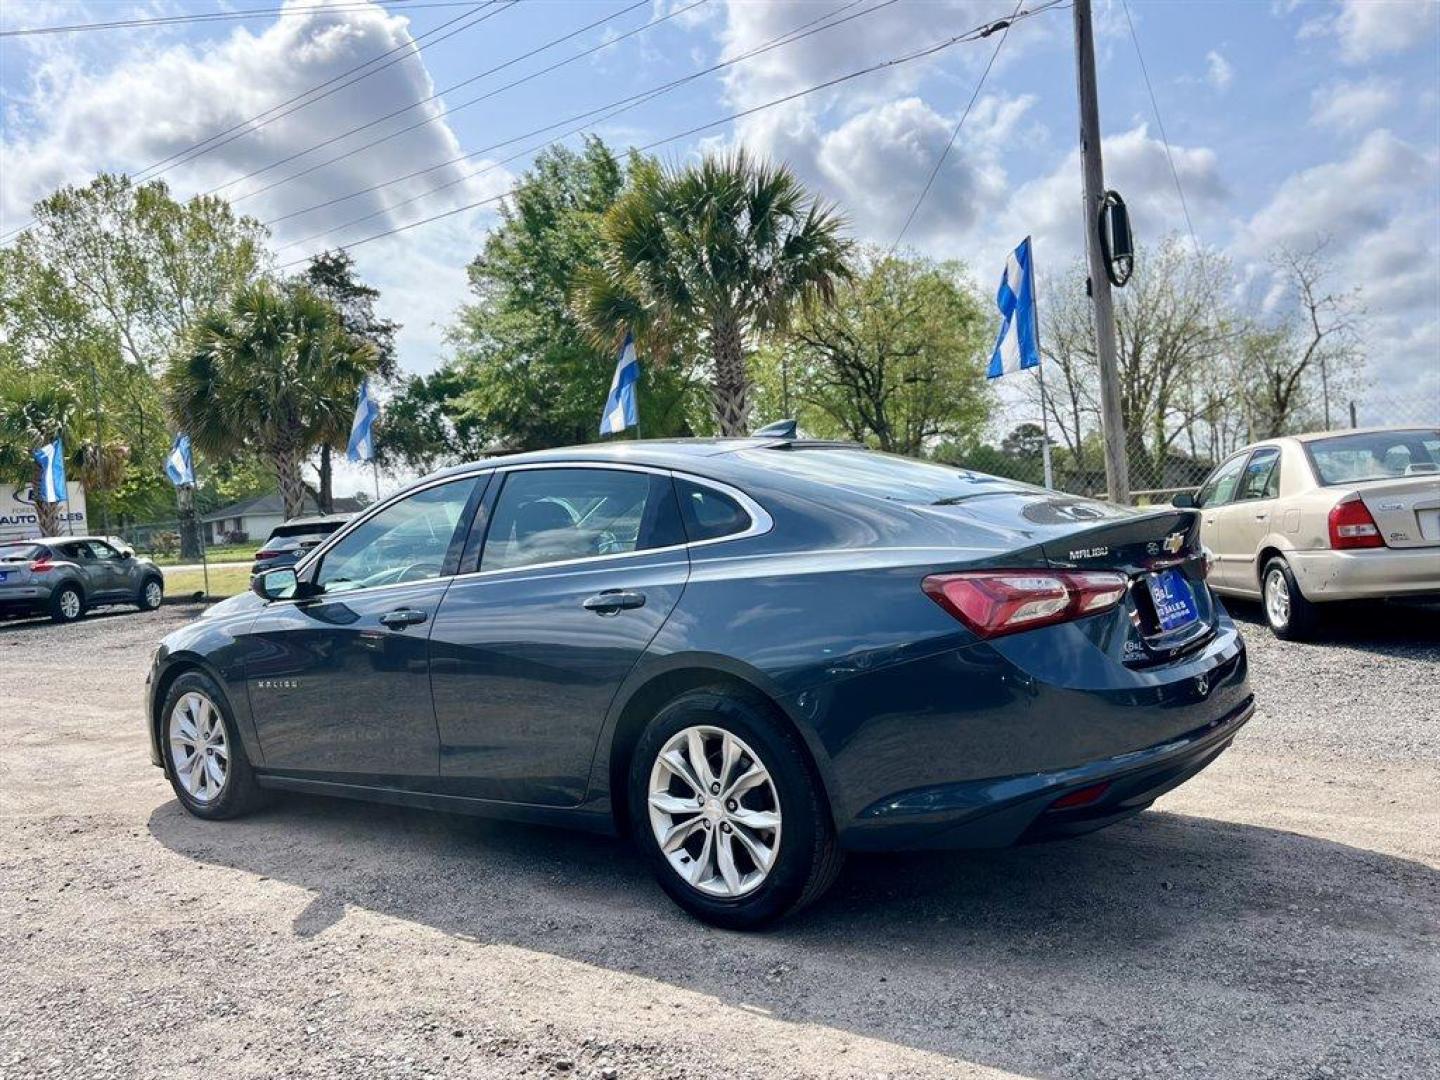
x=887, y=476
x=1376, y=455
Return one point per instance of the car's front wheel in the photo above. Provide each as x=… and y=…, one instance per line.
x=1290, y=615
x=205, y=761
x=725, y=804
x=152, y=594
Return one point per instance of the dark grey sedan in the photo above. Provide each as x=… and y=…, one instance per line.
x=63, y=575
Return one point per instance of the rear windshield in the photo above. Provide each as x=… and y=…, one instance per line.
x=293, y=543
x=306, y=532
x=20, y=552
x=1377, y=455
x=887, y=476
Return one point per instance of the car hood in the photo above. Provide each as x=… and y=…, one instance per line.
x=235, y=605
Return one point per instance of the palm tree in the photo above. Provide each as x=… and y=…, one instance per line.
x=721, y=252
x=35, y=410
x=274, y=372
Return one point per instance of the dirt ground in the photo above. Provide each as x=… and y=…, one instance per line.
x=1279, y=916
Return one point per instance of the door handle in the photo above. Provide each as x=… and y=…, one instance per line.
x=402, y=618
x=613, y=601
x=1262, y=515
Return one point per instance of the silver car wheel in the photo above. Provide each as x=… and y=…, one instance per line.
x=153, y=594
x=198, y=751
x=70, y=604
x=714, y=811
x=1277, y=598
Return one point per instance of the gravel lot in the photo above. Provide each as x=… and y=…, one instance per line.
x=1277, y=917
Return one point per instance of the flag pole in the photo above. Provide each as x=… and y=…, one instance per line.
x=1040, y=372
x=375, y=464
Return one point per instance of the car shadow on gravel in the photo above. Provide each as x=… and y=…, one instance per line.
x=39, y=622
x=1390, y=629
x=1200, y=943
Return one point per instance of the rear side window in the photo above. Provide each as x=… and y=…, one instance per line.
x=558, y=515
x=709, y=514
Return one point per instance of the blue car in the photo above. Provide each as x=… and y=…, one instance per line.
x=750, y=655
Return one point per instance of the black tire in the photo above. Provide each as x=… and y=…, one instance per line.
x=808, y=855
x=60, y=602
x=1304, y=617
x=240, y=792
x=143, y=599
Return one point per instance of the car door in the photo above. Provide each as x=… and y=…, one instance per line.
x=339, y=681
x=578, y=569
x=1217, y=518
x=111, y=569
x=95, y=575
x=1247, y=519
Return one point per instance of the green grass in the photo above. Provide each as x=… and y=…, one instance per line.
x=225, y=553
x=223, y=582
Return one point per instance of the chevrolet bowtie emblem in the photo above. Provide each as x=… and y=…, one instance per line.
x=1174, y=542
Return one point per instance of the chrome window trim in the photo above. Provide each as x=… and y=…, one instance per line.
x=760, y=523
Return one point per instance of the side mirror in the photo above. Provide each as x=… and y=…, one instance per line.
x=1184, y=500
x=281, y=584
x=126, y=553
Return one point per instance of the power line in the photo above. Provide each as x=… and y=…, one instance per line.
x=221, y=16
x=929, y=50
x=1159, y=123
x=1003, y=26
x=473, y=78
x=446, y=113
x=263, y=117
x=619, y=105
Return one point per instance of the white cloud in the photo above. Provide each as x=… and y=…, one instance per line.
x=1366, y=29
x=1218, y=71
x=1379, y=208
x=1351, y=106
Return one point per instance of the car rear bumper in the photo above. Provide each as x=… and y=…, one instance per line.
x=1010, y=810
x=23, y=599
x=1373, y=573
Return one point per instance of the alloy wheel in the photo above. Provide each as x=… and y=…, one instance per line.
x=1277, y=598
x=714, y=811
x=198, y=750
x=70, y=604
x=153, y=594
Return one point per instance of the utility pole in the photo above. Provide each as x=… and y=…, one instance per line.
x=1117, y=465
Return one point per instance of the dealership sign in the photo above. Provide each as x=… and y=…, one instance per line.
x=19, y=521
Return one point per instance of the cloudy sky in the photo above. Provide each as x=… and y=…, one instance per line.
x=1287, y=120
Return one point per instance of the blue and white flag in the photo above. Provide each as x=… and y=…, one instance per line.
x=622, y=410
x=52, y=473
x=179, y=464
x=367, y=410
x=1018, y=346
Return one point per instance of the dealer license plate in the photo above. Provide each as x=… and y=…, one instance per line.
x=1174, y=600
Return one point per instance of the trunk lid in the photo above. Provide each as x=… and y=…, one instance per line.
x=1406, y=510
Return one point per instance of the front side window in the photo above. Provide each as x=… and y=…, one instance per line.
x=1262, y=475
x=556, y=515
x=101, y=551
x=408, y=541
x=1220, y=488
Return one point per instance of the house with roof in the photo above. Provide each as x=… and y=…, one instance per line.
x=255, y=518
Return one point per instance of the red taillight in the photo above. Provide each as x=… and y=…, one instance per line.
x=266, y=554
x=996, y=602
x=1351, y=526
x=41, y=565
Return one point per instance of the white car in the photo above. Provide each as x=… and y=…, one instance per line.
x=1304, y=520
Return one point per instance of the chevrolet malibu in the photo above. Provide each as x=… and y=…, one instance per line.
x=750, y=655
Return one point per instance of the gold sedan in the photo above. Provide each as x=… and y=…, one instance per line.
x=1301, y=521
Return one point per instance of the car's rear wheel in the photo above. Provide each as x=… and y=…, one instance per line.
x=724, y=802
x=67, y=604
x=152, y=593
x=1289, y=614
x=205, y=761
